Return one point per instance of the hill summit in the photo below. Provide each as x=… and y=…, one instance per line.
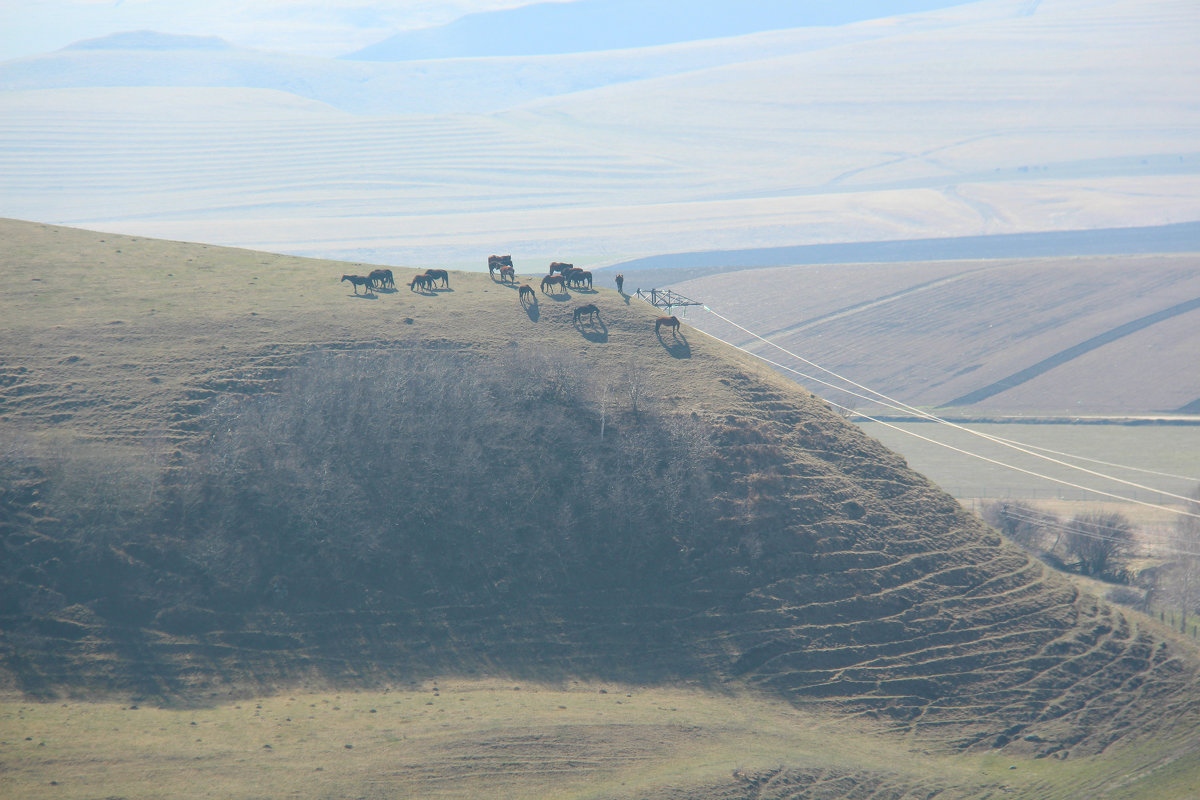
x=228, y=469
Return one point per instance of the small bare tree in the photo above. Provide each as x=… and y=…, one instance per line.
x=1020, y=521
x=1180, y=580
x=1099, y=540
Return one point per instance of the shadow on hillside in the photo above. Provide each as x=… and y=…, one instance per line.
x=593, y=331
x=624, y=296
x=561, y=298
x=370, y=296
x=532, y=309
x=677, y=345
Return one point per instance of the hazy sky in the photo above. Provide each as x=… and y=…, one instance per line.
x=304, y=27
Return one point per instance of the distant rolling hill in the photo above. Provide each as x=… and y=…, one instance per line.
x=592, y=25
x=226, y=470
x=1002, y=117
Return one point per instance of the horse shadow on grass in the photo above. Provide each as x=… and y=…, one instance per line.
x=593, y=329
x=676, y=345
x=532, y=309
x=368, y=296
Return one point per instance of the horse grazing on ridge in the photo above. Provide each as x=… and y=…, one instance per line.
x=526, y=292
x=436, y=275
x=382, y=278
x=589, y=310
x=424, y=281
x=357, y=281
x=552, y=280
x=671, y=322
x=498, y=262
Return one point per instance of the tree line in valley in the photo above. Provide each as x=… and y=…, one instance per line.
x=1107, y=545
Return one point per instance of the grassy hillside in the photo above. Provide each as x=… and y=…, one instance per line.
x=225, y=472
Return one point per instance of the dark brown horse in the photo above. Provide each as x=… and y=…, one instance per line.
x=357, y=281
x=620, y=283
x=496, y=262
x=581, y=277
x=508, y=274
x=424, y=281
x=551, y=280
x=526, y=292
x=382, y=278
x=671, y=322
x=436, y=275
x=589, y=310
x=559, y=266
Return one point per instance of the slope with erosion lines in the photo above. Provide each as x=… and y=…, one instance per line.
x=832, y=574
x=927, y=333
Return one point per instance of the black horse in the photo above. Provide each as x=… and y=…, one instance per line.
x=436, y=275
x=671, y=322
x=589, y=310
x=357, y=281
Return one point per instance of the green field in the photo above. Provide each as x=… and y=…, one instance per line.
x=460, y=738
x=1140, y=450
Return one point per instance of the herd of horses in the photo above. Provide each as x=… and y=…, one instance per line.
x=567, y=276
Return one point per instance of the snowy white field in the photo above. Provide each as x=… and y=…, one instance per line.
x=1000, y=116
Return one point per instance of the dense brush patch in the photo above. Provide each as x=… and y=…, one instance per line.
x=410, y=476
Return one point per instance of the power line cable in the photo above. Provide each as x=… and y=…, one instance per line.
x=901, y=406
x=1050, y=478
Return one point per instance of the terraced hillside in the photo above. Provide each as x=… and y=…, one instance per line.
x=224, y=471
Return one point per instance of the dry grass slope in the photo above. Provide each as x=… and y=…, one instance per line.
x=842, y=581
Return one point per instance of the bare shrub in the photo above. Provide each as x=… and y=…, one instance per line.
x=1099, y=540
x=1178, y=581
x=1021, y=522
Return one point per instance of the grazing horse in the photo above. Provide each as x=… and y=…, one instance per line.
x=551, y=280
x=589, y=310
x=620, y=283
x=357, y=281
x=559, y=266
x=382, y=278
x=526, y=291
x=497, y=262
x=671, y=322
x=508, y=274
x=435, y=275
x=424, y=281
